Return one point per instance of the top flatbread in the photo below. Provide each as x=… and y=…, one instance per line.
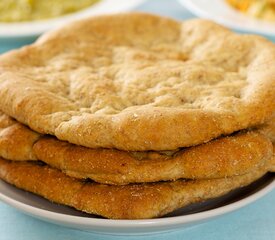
x=135, y=81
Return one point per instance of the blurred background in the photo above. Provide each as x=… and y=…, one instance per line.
x=22, y=21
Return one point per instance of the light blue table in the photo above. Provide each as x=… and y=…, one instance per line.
x=254, y=222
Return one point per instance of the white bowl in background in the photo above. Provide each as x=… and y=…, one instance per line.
x=219, y=11
x=35, y=28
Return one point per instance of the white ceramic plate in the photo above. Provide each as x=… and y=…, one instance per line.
x=221, y=12
x=35, y=28
x=194, y=214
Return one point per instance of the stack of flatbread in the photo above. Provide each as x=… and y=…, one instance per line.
x=132, y=116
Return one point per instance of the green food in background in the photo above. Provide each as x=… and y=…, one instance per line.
x=30, y=10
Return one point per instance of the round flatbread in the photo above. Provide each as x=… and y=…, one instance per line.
x=134, y=201
x=139, y=82
x=224, y=157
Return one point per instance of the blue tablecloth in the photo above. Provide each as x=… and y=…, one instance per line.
x=253, y=222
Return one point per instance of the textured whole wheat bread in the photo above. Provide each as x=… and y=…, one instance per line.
x=16, y=140
x=139, y=82
x=272, y=165
x=223, y=157
x=134, y=201
x=268, y=129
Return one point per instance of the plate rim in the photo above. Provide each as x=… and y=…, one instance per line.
x=79, y=221
x=193, y=6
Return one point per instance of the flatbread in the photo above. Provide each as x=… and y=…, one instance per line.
x=16, y=140
x=268, y=129
x=118, y=202
x=224, y=157
x=272, y=165
x=135, y=81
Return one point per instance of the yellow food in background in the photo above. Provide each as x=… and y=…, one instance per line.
x=262, y=9
x=30, y=10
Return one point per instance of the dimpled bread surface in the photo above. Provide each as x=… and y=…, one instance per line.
x=139, y=82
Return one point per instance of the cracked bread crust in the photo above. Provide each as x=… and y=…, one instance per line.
x=135, y=81
x=135, y=201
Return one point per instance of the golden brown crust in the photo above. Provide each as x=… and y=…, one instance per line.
x=16, y=140
x=118, y=202
x=95, y=84
x=268, y=129
x=272, y=163
x=224, y=157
